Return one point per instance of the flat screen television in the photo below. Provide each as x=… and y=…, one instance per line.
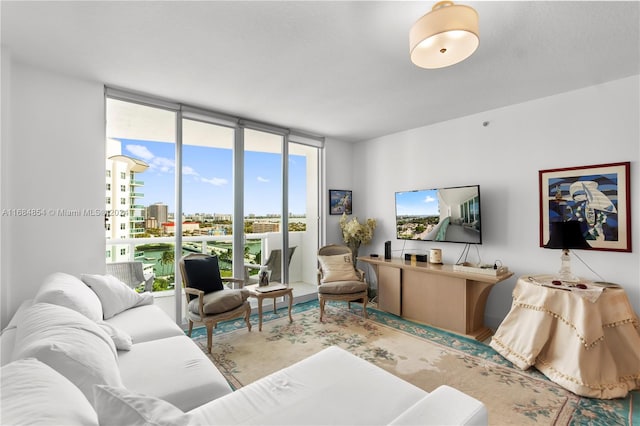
x=442, y=214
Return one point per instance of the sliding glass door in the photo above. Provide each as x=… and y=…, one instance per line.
x=213, y=184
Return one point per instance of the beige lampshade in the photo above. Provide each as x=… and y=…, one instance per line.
x=445, y=36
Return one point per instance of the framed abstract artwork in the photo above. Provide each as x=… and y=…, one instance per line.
x=597, y=196
x=340, y=201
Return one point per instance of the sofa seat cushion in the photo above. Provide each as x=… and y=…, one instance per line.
x=115, y=295
x=145, y=323
x=342, y=287
x=173, y=369
x=70, y=343
x=34, y=393
x=69, y=291
x=330, y=387
x=220, y=301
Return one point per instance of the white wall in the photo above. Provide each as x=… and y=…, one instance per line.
x=595, y=125
x=339, y=174
x=52, y=158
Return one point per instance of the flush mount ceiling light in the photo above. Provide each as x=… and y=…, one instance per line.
x=445, y=36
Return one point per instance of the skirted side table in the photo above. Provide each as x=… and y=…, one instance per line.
x=586, y=340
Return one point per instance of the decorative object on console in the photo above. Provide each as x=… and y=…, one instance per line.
x=448, y=34
x=565, y=236
x=355, y=234
x=435, y=255
x=416, y=257
x=597, y=196
x=340, y=201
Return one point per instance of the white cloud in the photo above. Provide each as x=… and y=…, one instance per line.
x=189, y=171
x=261, y=179
x=140, y=151
x=215, y=181
x=429, y=199
x=163, y=164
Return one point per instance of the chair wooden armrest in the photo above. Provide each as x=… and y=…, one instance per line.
x=233, y=281
x=200, y=294
x=361, y=273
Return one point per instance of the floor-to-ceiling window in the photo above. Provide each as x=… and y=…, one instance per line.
x=207, y=190
x=140, y=190
x=203, y=181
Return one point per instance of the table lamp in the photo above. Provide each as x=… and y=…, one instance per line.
x=565, y=236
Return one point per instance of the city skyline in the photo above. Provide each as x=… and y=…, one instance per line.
x=208, y=182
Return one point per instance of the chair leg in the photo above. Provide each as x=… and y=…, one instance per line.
x=190, y=328
x=247, y=315
x=209, y=326
x=364, y=306
x=321, y=309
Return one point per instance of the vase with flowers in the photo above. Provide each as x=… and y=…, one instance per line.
x=355, y=234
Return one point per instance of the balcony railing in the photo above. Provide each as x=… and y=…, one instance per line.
x=151, y=251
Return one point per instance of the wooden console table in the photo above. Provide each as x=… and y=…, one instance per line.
x=434, y=294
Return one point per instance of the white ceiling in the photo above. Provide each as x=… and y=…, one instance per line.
x=339, y=69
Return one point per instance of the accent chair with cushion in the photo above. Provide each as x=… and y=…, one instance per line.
x=209, y=301
x=338, y=279
x=273, y=264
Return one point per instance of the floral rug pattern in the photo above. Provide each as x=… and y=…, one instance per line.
x=419, y=354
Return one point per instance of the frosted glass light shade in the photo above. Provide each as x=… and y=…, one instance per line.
x=445, y=36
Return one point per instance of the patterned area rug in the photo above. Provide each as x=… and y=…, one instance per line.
x=419, y=354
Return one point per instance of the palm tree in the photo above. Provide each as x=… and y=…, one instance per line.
x=168, y=258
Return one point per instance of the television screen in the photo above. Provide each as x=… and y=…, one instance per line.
x=443, y=214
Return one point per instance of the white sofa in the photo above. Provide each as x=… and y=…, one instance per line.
x=105, y=355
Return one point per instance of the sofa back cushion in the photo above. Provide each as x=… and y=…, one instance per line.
x=34, y=393
x=66, y=290
x=115, y=295
x=70, y=343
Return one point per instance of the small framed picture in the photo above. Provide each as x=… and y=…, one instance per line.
x=597, y=196
x=339, y=201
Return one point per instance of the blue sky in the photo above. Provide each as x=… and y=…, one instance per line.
x=208, y=182
x=415, y=203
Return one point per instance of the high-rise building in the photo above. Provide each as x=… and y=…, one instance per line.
x=158, y=211
x=124, y=215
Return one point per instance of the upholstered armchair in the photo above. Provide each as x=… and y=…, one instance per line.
x=209, y=301
x=338, y=279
